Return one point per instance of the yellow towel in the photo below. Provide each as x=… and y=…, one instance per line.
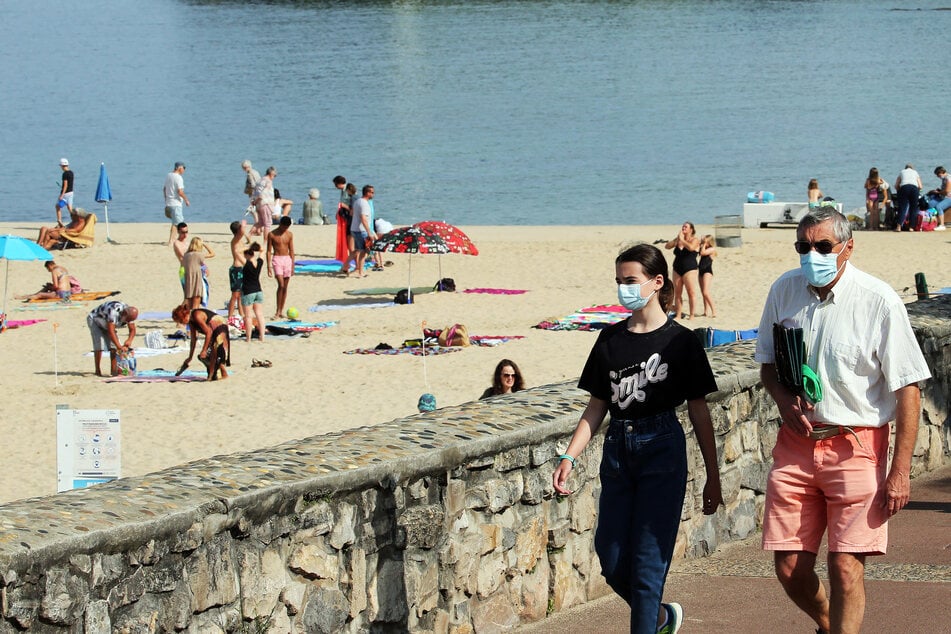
x=84, y=237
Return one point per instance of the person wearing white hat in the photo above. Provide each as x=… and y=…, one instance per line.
x=65, y=193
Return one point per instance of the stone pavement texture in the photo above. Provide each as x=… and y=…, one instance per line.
x=734, y=590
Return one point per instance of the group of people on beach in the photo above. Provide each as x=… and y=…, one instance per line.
x=906, y=208
x=692, y=271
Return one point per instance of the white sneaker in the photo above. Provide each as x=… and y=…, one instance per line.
x=939, y=228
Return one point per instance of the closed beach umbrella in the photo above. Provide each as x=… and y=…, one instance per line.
x=104, y=195
x=454, y=237
x=17, y=248
x=410, y=240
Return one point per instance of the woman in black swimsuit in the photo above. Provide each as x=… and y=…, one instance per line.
x=708, y=251
x=686, y=248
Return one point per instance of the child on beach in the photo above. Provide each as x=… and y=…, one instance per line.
x=639, y=370
x=708, y=251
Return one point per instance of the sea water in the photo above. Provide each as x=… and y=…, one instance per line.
x=473, y=112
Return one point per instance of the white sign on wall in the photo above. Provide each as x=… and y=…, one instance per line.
x=87, y=447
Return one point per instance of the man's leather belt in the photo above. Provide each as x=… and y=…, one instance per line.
x=829, y=431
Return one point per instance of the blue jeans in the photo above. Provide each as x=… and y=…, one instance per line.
x=643, y=483
x=941, y=204
x=907, y=203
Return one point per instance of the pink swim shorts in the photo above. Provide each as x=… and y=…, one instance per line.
x=282, y=265
x=836, y=483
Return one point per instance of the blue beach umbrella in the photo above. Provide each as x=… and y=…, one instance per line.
x=104, y=195
x=17, y=248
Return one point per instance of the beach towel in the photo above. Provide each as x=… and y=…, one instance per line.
x=20, y=323
x=84, y=296
x=321, y=266
x=151, y=352
x=711, y=337
x=417, y=351
x=495, y=291
x=377, y=303
x=591, y=318
x=53, y=306
x=391, y=290
x=82, y=238
x=159, y=376
x=488, y=341
x=296, y=327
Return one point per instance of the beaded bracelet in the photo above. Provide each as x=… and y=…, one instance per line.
x=565, y=456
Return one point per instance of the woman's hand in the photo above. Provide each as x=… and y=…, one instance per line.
x=559, y=478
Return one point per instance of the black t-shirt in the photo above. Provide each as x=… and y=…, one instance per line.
x=251, y=277
x=642, y=374
x=68, y=179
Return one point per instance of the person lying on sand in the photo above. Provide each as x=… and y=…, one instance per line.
x=61, y=287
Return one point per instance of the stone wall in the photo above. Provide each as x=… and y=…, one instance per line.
x=443, y=522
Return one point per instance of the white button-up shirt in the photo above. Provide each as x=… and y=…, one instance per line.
x=859, y=341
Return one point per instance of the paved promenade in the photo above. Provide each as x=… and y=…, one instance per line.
x=734, y=591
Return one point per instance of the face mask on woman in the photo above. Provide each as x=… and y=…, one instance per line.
x=630, y=296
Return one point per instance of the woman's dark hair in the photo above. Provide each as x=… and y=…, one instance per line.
x=497, y=377
x=652, y=261
x=251, y=250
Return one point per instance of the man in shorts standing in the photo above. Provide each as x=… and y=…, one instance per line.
x=238, y=241
x=174, y=192
x=829, y=462
x=65, y=193
x=280, y=260
x=361, y=228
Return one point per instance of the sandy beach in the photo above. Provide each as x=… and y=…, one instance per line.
x=312, y=386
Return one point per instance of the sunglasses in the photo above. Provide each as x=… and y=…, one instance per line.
x=823, y=247
x=504, y=375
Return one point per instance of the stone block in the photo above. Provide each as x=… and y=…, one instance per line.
x=491, y=574
x=65, y=597
x=454, y=497
x=81, y=563
x=536, y=487
x=418, y=490
x=491, y=538
x=163, y=575
x=187, y=540
x=263, y=576
x=129, y=589
x=107, y=569
x=732, y=445
x=512, y=459
x=212, y=575
x=315, y=515
x=534, y=593
x=387, y=592
x=342, y=533
x=96, y=618
x=421, y=576
x=326, y=612
x=312, y=561
x=493, y=495
x=494, y=615
x=423, y=526
x=568, y=587
x=730, y=478
x=531, y=542
x=292, y=597
x=358, y=581
x=558, y=535
x=584, y=512
x=754, y=476
x=148, y=554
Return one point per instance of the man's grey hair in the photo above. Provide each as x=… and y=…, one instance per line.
x=314, y=193
x=840, y=224
x=245, y=164
x=271, y=170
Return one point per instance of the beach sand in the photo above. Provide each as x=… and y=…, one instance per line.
x=312, y=387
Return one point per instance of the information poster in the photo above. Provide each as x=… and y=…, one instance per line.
x=88, y=448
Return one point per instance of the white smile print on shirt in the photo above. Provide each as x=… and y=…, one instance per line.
x=629, y=388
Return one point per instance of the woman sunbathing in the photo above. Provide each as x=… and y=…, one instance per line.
x=50, y=236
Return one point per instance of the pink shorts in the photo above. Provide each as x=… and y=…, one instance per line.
x=264, y=217
x=836, y=483
x=282, y=265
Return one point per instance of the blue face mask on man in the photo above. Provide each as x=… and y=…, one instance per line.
x=630, y=296
x=819, y=269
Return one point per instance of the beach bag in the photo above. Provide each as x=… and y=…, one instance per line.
x=445, y=284
x=454, y=336
x=74, y=285
x=125, y=363
x=927, y=220
x=404, y=296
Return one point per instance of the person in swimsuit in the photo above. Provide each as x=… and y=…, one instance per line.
x=686, y=247
x=215, y=352
x=239, y=237
x=813, y=193
x=708, y=251
x=61, y=287
x=876, y=197
x=280, y=260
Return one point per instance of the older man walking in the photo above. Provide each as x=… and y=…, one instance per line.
x=174, y=192
x=829, y=463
